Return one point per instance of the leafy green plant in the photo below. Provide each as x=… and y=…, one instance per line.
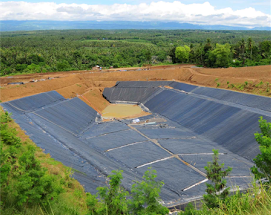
x=189, y=210
x=6, y=117
x=216, y=191
x=241, y=87
x=8, y=136
x=263, y=160
x=260, y=84
x=145, y=195
x=23, y=180
x=33, y=185
x=114, y=197
x=5, y=168
x=217, y=84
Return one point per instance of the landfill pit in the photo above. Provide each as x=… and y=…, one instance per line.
x=182, y=125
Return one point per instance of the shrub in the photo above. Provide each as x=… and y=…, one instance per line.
x=260, y=84
x=23, y=180
x=144, y=198
x=189, y=210
x=145, y=195
x=33, y=184
x=263, y=160
x=20, y=67
x=8, y=136
x=63, y=65
x=216, y=191
x=5, y=117
x=114, y=197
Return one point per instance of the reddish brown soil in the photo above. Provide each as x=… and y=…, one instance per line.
x=91, y=84
x=94, y=98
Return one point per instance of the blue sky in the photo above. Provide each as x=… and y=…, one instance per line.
x=246, y=13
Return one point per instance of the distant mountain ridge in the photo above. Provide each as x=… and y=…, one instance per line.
x=29, y=25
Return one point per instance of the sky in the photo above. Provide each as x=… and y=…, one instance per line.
x=246, y=13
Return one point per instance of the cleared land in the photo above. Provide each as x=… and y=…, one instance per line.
x=90, y=84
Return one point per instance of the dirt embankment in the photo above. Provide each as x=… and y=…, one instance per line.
x=71, y=84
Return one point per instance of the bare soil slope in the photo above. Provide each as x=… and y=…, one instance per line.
x=90, y=84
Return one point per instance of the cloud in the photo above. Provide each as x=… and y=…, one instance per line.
x=203, y=13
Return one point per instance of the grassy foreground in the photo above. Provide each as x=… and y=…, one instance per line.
x=256, y=201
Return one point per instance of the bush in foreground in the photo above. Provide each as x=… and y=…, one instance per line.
x=144, y=197
x=216, y=191
x=263, y=160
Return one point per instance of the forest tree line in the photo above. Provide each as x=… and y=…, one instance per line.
x=49, y=51
x=243, y=53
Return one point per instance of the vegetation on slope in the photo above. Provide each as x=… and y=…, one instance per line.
x=31, y=181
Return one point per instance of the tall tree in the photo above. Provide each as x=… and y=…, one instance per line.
x=250, y=46
x=182, y=53
x=242, y=45
x=222, y=55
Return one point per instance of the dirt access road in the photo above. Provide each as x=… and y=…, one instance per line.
x=90, y=84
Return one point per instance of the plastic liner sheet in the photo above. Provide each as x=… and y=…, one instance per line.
x=139, y=84
x=190, y=146
x=159, y=133
x=128, y=94
x=183, y=86
x=60, y=150
x=73, y=115
x=31, y=103
x=90, y=163
x=164, y=100
x=196, y=192
x=98, y=129
x=240, y=166
x=138, y=154
x=194, y=126
x=254, y=101
x=175, y=174
x=115, y=140
x=90, y=184
x=91, y=166
x=229, y=126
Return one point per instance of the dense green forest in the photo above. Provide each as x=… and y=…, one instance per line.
x=49, y=51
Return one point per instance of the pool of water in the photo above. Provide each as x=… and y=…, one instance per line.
x=122, y=111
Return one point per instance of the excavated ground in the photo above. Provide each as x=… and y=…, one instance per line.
x=90, y=84
x=176, y=140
